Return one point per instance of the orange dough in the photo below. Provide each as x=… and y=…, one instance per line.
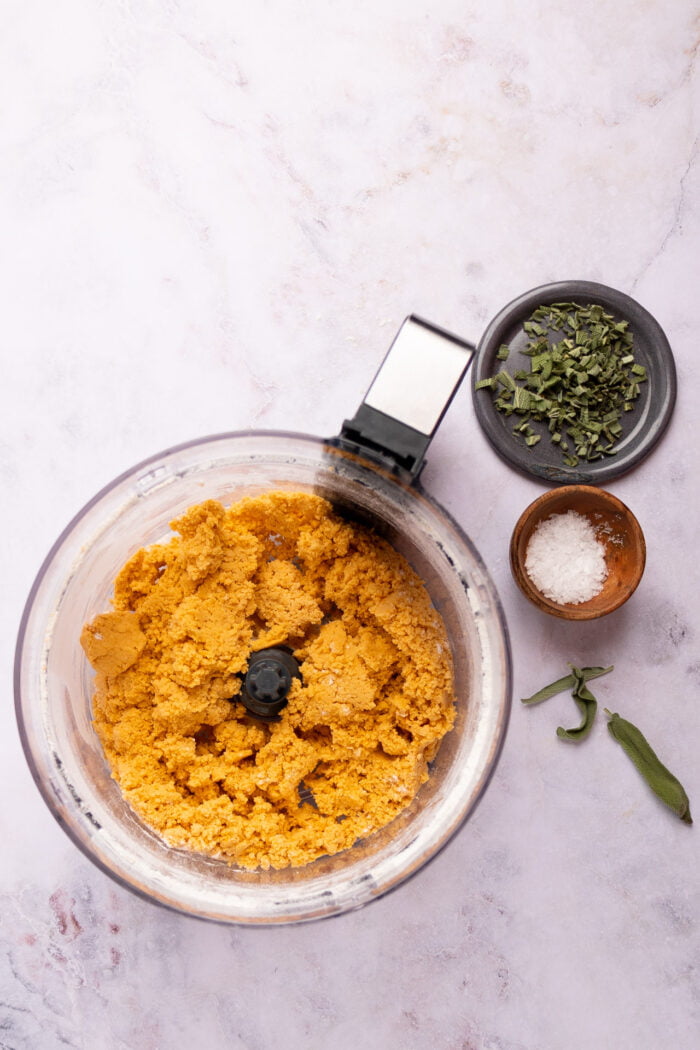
x=353, y=743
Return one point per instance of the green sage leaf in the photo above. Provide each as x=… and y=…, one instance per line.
x=587, y=705
x=569, y=681
x=661, y=781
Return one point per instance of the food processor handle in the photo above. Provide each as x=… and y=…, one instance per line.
x=408, y=397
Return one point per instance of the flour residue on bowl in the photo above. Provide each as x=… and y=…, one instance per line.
x=565, y=559
x=351, y=747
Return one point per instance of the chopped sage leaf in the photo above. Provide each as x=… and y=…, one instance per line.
x=662, y=782
x=506, y=380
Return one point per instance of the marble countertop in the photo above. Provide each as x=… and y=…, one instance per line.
x=215, y=217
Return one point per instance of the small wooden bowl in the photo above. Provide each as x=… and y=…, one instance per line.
x=616, y=528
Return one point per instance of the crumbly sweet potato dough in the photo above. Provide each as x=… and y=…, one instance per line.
x=353, y=743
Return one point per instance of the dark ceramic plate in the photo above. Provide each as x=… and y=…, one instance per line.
x=642, y=426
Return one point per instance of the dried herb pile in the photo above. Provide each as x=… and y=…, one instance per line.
x=582, y=378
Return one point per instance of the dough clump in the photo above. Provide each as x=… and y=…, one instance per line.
x=352, y=745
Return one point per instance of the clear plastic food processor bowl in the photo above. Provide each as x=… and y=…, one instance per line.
x=54, y=682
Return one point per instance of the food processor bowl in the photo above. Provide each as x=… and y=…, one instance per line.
x=54, y=681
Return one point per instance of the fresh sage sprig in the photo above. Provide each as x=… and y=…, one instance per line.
x=582, y=378
x=661, y=781
x=585, y=701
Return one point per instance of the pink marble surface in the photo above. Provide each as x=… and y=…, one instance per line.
x=215, y=216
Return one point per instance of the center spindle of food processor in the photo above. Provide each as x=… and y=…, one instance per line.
x=267, y=682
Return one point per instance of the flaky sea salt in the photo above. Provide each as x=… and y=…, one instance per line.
x=565, y=560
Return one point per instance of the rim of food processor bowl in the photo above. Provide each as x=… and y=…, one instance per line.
x=329, y=897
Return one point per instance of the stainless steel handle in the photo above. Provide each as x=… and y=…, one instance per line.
x=408, y=397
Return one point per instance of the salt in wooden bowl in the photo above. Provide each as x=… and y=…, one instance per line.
x=616, y=528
